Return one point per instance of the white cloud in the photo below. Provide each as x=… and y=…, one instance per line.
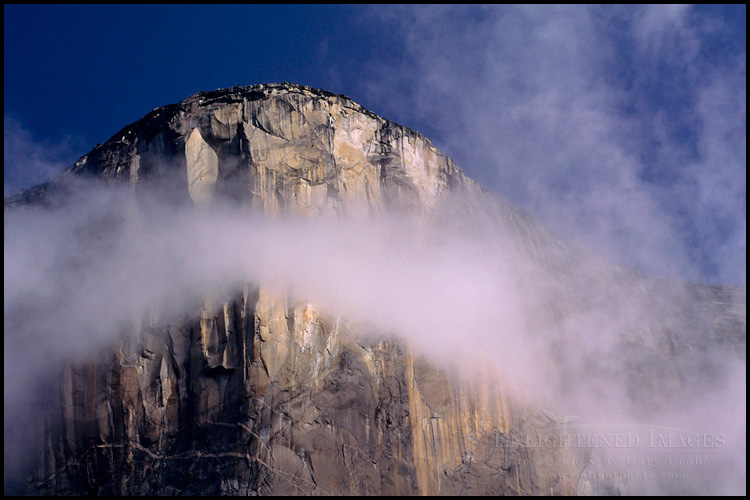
x=27, y=162
x=529, y=102
x=458, y=289
x=588, y=117
x=657, y=28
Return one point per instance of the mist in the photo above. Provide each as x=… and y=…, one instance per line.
x=28, y=162
x=623, y=128
x=550, y=322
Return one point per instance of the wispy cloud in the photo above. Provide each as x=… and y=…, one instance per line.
x=462, y=288
x=28, y=162
x=610, y=125
x=618, y=127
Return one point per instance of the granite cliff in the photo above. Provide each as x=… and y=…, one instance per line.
x=261, y=393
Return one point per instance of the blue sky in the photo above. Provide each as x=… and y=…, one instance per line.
x=622, y=128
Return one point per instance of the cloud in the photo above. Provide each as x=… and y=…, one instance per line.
x=657, y=29
x=27, y=162
x=463, y=286
x=606, y=123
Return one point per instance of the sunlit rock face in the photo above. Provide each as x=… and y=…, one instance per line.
x=259, y=394
x=282, y=148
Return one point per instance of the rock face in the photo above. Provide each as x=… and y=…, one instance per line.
x=262, y=395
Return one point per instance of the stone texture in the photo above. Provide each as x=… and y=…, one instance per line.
x=259, y=395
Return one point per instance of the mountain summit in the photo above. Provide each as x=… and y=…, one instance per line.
x=254, y=390
x=282, y=147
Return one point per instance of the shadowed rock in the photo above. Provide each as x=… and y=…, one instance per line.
x=259, y=394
